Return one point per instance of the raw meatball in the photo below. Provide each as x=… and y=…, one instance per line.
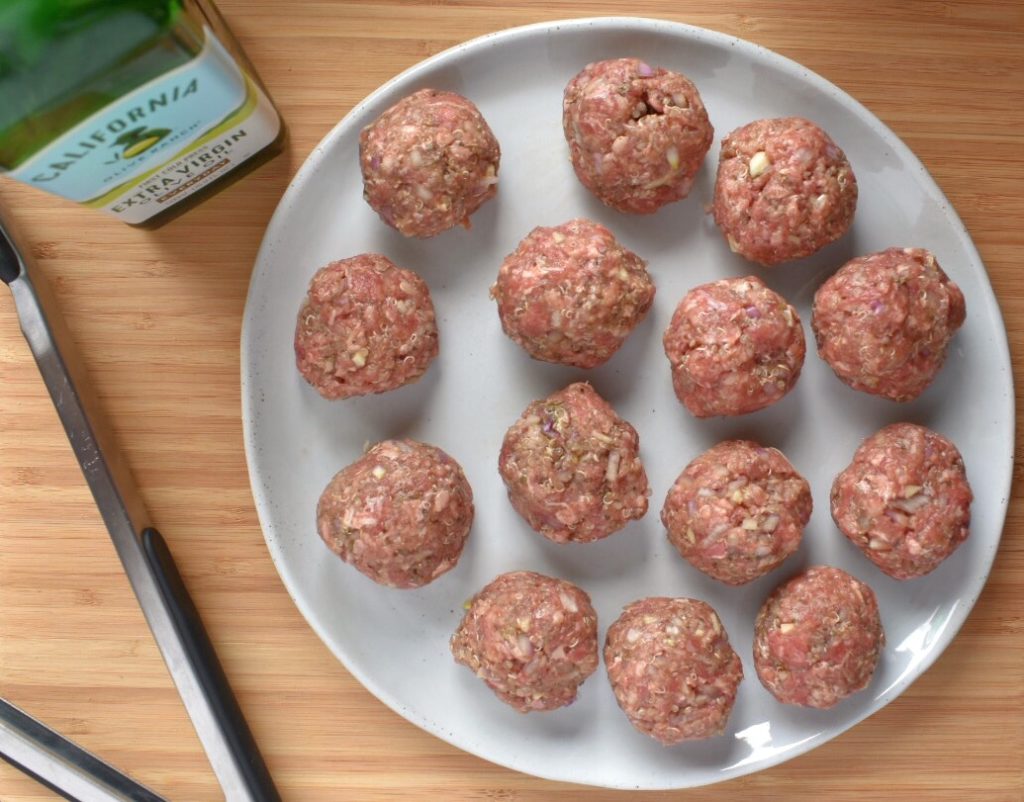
x=400, y=513
x=572, y=467
x=531, y=638
x=784, y=190
x=904, y=500
x=737, y=511
x=637, y=134
x=366, y=326
x=735, y=347
x=571, y=294
x=672, y=669
x=883, y=321
x=817, y=638
x=428, y=163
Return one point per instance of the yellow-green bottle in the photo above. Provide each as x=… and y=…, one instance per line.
x=139, y=108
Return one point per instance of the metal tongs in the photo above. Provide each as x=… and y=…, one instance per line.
x=169, y=611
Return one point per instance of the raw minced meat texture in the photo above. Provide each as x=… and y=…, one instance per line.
x=531, y=638
x=571, y=294
x=366, y=326
x=818, y=638
x=784, y=190
x=400, y=514
x=572, y=467
x=637, y=134
x=428, y=163
x=672, y=670
x=904, y=500
x=883, y=322
x=737, y=511
x=735, y=347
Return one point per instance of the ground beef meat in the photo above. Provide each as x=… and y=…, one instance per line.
x=572, y=294
x=817, y=638
x=400, y=513
x=904, y=500
x=883, y=321
x=737, y=511
x=531, y=638
x=735, y=347
x=366, y=326
x=637, y=134
x=672, y=669
x=572, y=467
x=784, y=190
x=428, y=163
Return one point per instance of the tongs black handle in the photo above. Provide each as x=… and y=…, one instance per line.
x=207, y=669
x=62, y=766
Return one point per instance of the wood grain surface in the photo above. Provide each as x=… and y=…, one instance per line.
x=157, y=317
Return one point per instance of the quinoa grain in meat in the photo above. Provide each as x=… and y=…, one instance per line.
x=366, y=326
x=784, y=190
x=572, y=467
x=637, y=134
x=672, y=669
x=817, y=639
x=904, y=500
x=883, y=322
x=428, y=163
x=735, y=347
x=531, y=638
x=572, y=294
x=737, y=511
x=400, y=514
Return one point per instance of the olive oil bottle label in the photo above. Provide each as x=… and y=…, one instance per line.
x=161, y=142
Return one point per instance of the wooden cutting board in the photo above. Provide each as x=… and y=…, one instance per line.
x=157, y=317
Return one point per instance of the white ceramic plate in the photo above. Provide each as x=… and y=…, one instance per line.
x=396, y=642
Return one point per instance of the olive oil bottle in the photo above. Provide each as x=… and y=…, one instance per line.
x=139, y=108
